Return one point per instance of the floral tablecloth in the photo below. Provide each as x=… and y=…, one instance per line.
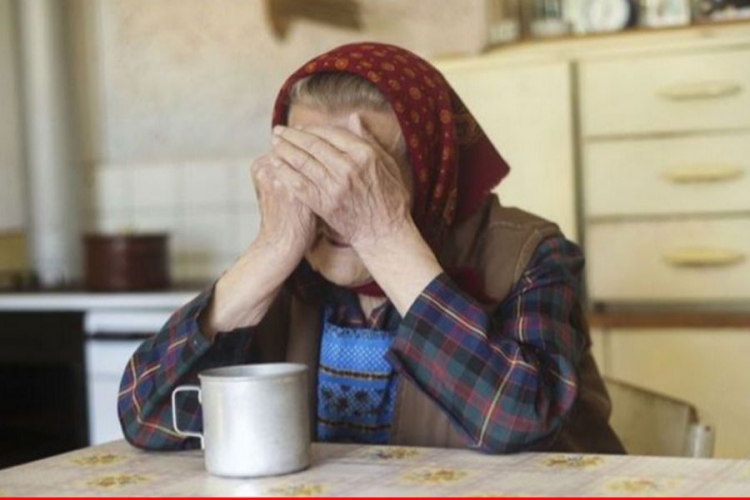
x=353, y=470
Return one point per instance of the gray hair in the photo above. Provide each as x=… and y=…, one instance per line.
x=337, y=92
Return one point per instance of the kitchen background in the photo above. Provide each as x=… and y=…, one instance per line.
x=626, y=123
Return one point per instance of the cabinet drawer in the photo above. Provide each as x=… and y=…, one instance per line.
x=709, y=174
x=668, y=261
x=705, y=91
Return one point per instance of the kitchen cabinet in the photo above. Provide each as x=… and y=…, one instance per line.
x=527, y=112
x=666, y=221
x=42, y=385
x=647, y=134
x=666, y=176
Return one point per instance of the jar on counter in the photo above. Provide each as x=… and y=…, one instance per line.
x=720, y=10
x=662, y=13
x=548, y=19
x=504, y=21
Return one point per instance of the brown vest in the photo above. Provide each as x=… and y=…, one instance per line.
x=498, y=242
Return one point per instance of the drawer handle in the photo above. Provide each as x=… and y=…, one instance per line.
x=704, y=257
x=703, y=173
x=699, y=90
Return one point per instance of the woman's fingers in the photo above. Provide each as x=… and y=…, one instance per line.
x=260, y=173
x=302, y=161
x=356, y=141
x=298, y=184
x=364, y=148
x=301, y=148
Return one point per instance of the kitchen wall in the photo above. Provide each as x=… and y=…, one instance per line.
x=175, y=97
x=11, y=207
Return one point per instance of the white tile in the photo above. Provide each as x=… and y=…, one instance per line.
x=179, y=267
x=87, y=189
x=89, y=220
x=247, y=223
x=156, y=186
x=207, y=232
x=244, y=182
x=202, y=267
x=112, y=188
x=156, y=220
x=112, y=222
x=208, y=185
x=216, y=266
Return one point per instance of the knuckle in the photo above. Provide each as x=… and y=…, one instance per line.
x=367, y=152
x=347, y=184
x=303, y=161
x=363, y=155
x=340, y=193
x=316, y=147
x=256, y=167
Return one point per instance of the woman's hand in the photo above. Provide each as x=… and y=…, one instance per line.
x=359, y=190
x=244, y=293
x=286, y=223
x=345, y=177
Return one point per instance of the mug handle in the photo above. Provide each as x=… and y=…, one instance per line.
x=185, y=388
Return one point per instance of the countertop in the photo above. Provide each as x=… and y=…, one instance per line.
x=355, y=470
x=72, y=300
x=635, y=319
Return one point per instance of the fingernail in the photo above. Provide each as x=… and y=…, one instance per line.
x=278, y=129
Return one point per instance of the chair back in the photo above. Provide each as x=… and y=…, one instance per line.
x=649, y=423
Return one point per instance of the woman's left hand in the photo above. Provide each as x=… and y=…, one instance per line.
x=346, y=178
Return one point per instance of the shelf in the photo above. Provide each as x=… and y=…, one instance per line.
x=671, y=319
x=623, y=34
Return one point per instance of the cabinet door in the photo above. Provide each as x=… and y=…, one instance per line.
x=11, y=188
x=707, y=368
x=526, y=110
x=599, y=348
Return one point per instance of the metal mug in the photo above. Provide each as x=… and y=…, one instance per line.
x=255, y=419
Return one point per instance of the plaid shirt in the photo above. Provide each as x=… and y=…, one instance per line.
x=506, y=379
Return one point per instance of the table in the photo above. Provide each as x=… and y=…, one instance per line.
x=355, y=470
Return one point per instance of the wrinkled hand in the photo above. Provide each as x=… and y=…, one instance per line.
x=286, y=223
x=245, y=292
x=346, y=178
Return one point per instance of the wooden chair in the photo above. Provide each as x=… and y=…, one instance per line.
x=649, y=423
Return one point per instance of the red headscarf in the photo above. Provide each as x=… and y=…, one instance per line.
x=452, y=175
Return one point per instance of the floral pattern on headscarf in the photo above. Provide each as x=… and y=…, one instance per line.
x=452, y=175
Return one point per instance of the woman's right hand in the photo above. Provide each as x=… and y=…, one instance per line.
x=286, y=224
x=244, y=293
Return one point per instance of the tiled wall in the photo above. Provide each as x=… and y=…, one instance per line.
x=208, y=209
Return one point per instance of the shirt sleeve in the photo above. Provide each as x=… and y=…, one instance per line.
x=507, y=379
x=171, y=358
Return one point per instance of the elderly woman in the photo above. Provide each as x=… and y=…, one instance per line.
x=428, y=314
